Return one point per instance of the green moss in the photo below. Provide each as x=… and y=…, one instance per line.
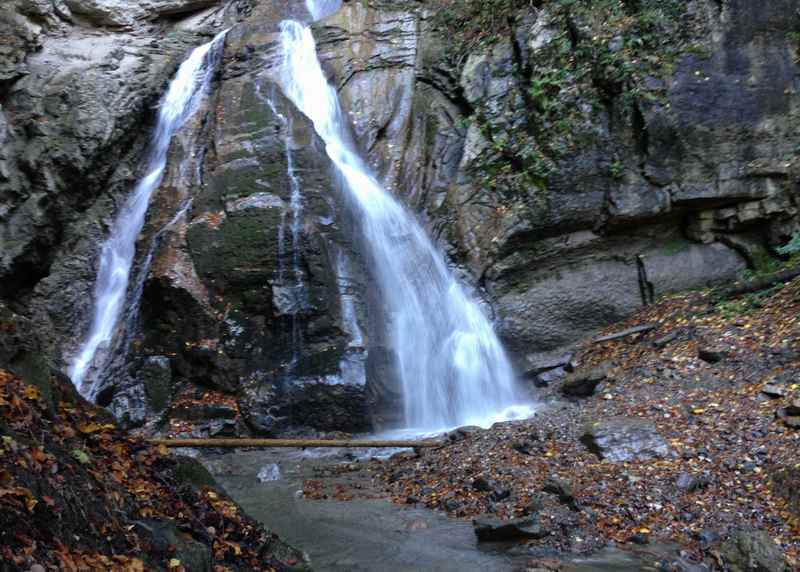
x=676, y=246
x=763, y=263
x=320, y=362
x=241, y=251
x=192, y=472
x=794, y=38
x=748, y=304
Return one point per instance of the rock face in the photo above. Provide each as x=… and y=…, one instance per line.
x=256, y=290
x=675, y=177
x=574, y=165
x=76, y=105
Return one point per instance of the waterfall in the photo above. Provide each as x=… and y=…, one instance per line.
x=322, y=8
x=185, y=91
x=452, y=368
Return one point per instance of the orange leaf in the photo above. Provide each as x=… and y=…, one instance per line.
x=89, y=428
x=31, y=392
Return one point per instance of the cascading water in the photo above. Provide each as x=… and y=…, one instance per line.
x=116, y=259
x=321, y=8
x=452, y=367
x=291, y=284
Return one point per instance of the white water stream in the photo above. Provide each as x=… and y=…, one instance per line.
x=452, y=367
x=322, y=8
x=116, y=258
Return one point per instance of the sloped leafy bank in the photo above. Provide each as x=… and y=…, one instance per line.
x=76, y=494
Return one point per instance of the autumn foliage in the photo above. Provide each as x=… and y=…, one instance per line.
x=76, y=494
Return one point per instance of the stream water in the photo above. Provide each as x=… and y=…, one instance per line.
x=371, y=534
x=189, y=85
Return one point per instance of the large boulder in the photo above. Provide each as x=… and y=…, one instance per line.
x=492, y=529
x=624, y=439
x=583, y=382
x=752, y=551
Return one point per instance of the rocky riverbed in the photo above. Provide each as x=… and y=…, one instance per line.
x=685, y=433
x=677, y=439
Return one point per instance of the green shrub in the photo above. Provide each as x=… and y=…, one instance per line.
x=791, y=248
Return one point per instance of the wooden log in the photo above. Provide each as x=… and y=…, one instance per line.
x=288, y=443
x=759, y=284
x=625, y=333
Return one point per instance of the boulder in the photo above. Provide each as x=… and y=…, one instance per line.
x=166, y=542
x=583, y=382
x=192, y=472
x=491, y=529
x=482, y=484
x=690, y=483
x=562, y=488
x=156, y=375
x=623, y=439
x=774, y=391
x=463, y=432
x=752, y=551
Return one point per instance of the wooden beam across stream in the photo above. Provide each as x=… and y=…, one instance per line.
x=289, y=443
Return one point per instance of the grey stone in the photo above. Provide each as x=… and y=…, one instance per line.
x=562, y=488
x=168, y=542
x=622, y=439
x=491, y=529
x=582, y=383
x=156, y=375
x=482, y=485
x=689, y=483
x=463, y=432
x=792, y=422
x=752, y=551
x=774, y=391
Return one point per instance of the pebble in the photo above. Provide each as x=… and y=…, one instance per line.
x=773, y=391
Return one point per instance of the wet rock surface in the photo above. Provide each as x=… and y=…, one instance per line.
x=752, y=551
x=491, y=529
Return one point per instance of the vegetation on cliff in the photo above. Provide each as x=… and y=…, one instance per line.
x=590, y=57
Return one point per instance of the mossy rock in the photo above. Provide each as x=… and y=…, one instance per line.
x=191, y=471
x=242, y=251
